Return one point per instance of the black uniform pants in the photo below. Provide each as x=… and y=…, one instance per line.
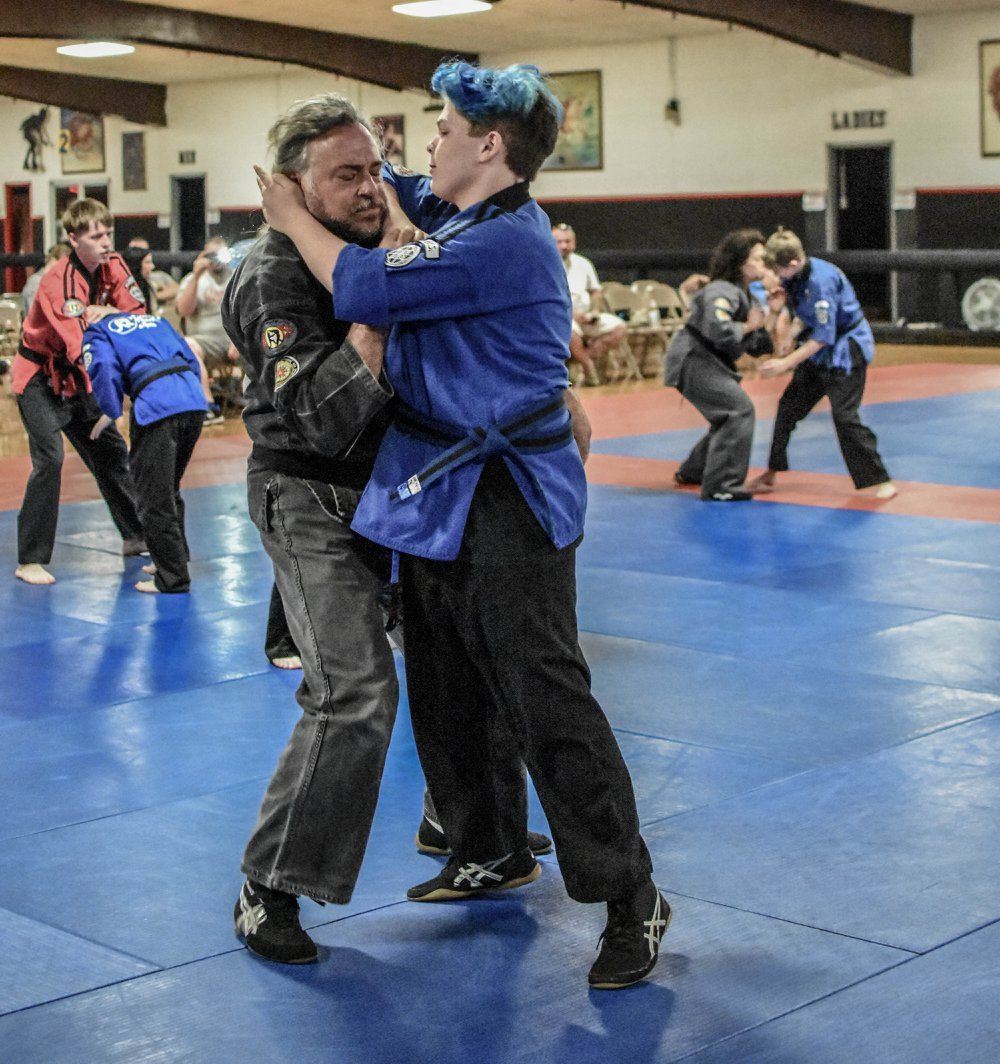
x=278, y=641
x=858, y=444
x=492, y=659
x=45, y=418
x=160, y=453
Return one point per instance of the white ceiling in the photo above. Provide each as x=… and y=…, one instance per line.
x=511, y=26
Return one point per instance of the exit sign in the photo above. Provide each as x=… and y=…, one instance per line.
x=185, y=157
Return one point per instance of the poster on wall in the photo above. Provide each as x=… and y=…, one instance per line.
x=579, y=145
x=81, y=142
x=989, y=96
x=391, y=129
x=134, y=162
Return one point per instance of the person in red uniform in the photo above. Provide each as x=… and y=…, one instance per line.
x=53, y=391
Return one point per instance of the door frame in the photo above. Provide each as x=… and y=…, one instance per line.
x=8, y=227
x=833, y=204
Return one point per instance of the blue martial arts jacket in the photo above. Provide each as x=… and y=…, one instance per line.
x=823, y=299
x=142, y=356
x=480, y=315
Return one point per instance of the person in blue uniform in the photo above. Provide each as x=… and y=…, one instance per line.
x=834, y=347
x=479, y=485
x=144, y=357
x=724, y=322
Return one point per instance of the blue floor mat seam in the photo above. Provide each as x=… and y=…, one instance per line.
x=138, y=809
x=163, y=969
x=704, y=746
x=798, y=1008
x=84, y=938
x=734, y=656
x=911, y=953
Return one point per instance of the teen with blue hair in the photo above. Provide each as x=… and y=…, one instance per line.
x=479, y=487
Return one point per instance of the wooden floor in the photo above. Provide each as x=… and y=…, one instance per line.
x=14, y=443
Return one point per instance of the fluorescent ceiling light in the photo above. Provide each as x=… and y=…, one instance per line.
x=95, y=50
x=440, y=8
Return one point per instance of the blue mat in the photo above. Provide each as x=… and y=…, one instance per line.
x=900, y=847
x=808, y=700
x=925, y=440
x=491, y=981
x=940, y=1007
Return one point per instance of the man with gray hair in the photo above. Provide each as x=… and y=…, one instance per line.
x=318, y=406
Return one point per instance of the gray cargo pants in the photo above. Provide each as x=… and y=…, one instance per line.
x=720, y=459
x=316, y=815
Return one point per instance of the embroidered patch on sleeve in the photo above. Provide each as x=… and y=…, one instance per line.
x=284, y=369
x=822, y=309
x=73, y=308
x=402, y=256
x=277, y=334
x=88, y=356
x=135, y=291
x=723, y=309
x=403, y=171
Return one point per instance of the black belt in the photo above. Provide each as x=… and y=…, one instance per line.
x=479, y=443
x=168, y=368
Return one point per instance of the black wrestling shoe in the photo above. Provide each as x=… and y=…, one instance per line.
x=268, y=921
x=431, y=840
x=133, y=548
x=461, y=881
x=731, y=496
x=630, y=942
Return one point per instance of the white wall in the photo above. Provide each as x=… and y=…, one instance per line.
x=756, y=112
x=756, y=117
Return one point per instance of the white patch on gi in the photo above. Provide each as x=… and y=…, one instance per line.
x=88, y=356
x=123, y=324
x=822, y=309
x=402, y=256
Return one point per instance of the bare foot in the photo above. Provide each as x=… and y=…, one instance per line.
x=293, y=661
x=150, y=568
x=885, y=490
x=34, y=573
x=148, y=586
x=762, y=484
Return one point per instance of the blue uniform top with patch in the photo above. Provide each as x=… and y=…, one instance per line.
x=145, y=357
x=823, y=299
x=480, y=315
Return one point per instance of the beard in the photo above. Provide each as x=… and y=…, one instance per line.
x=354, y=234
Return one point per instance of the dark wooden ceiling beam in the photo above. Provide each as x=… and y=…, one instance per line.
x=881, y=38
x=386, y=63
x=138, y=101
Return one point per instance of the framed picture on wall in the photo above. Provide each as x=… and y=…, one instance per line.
x=81, y=142
x=580, y=144
x=989, y=97
x=392, y=130
x=134, y=162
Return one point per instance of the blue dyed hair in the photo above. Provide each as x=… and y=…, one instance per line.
x=515, y=101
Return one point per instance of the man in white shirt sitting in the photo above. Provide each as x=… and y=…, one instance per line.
x=594, y=333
